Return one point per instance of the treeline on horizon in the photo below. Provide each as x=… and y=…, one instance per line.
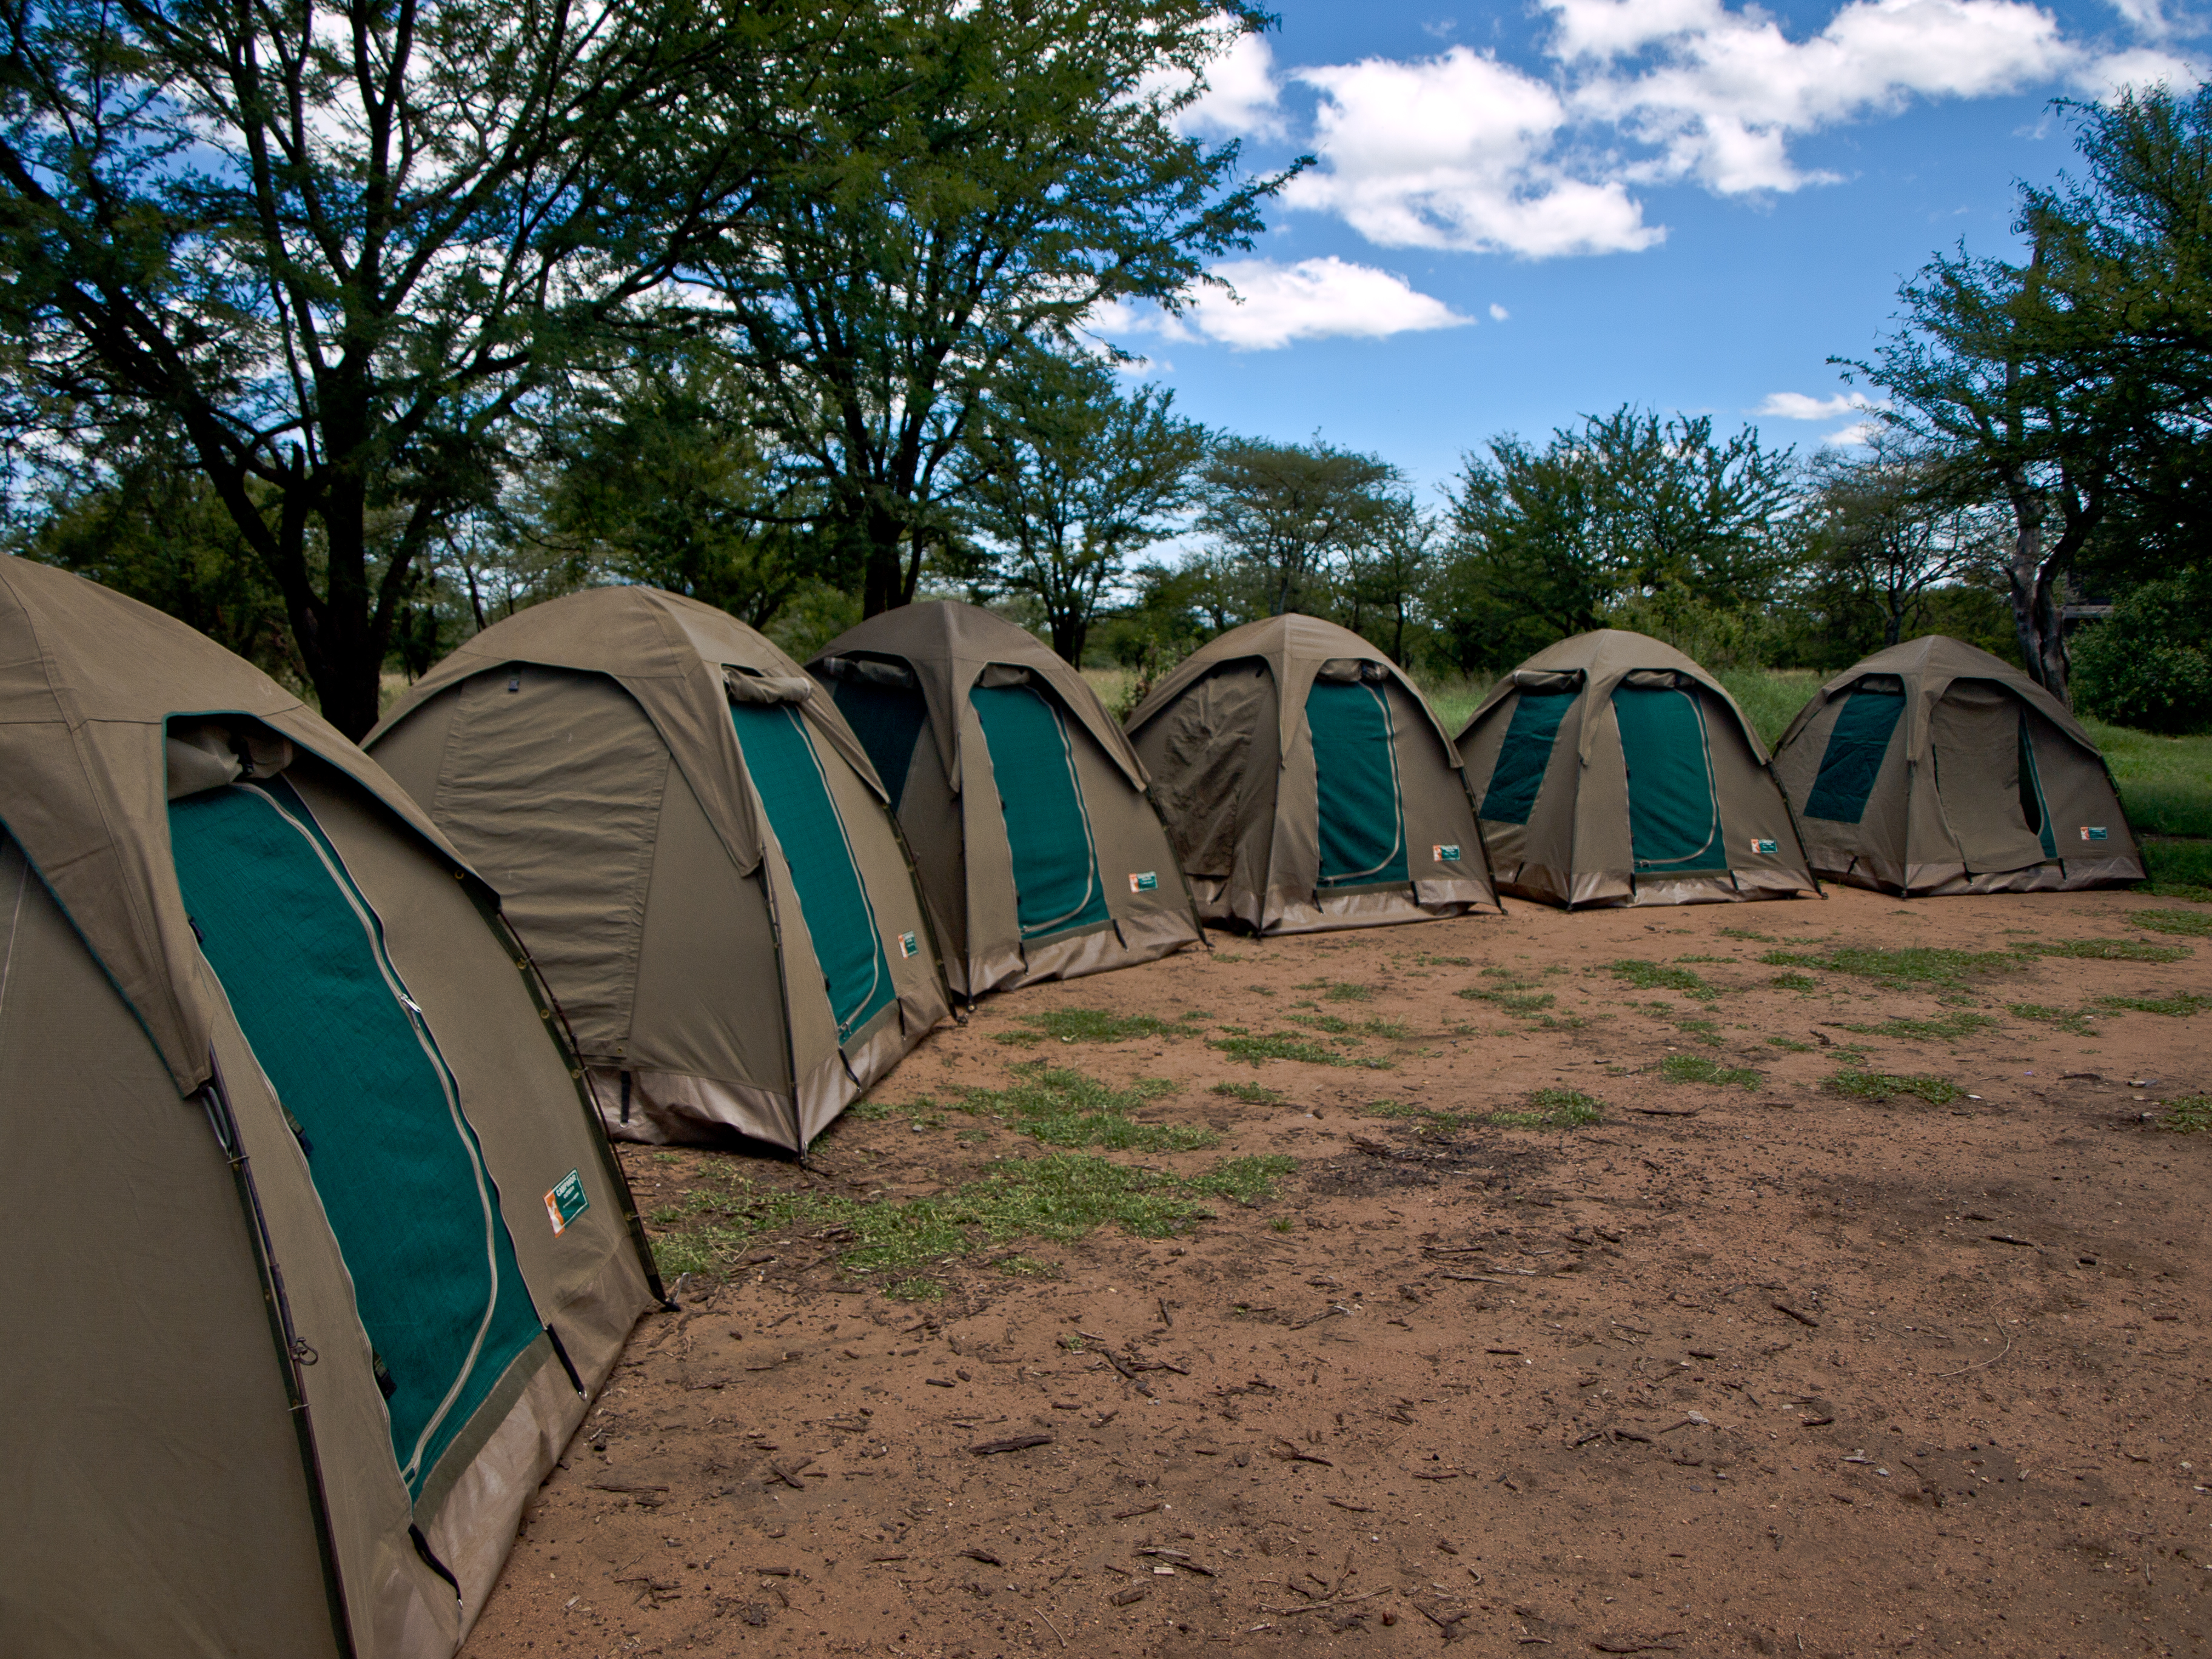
x=343, y=347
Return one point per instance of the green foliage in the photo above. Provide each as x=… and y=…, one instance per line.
x=1064, y=1107
x=914, y=1289
x=1662, y=976
x=1696, y=1068
x=1553, y=1108
x=2149, y=664
x=1246, y=1180
x=1881, y=1085
x=1769, y=698
x=2196, y=922
x=1790, y=1044
x=1944, y=1028
x=1799, y=982
x=1285, y=513
x=1544, y=542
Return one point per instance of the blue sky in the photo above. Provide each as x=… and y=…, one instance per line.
x=1526, y=212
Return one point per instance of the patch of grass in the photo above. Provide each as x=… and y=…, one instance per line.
x=1700, y=1030
x=1745, y=933
x=2178, y=869
x=1096, y=1025
x=1259, y=1046
x=1882, y=1085
x=1513, y=1002
x=915, y=1289
x=2072, y=1021
x=1721, y=959
x=2166, y=783
x=2197, y=922
x=870, y=1111
x=1696, y=1068
x=2191, y=1116
x=1944, y=1028
x=1771, y=697
x=2179, y=1005
x=1552, y=1108
x=1026, y=1266
x=1789, y=1043
x=1564, y=1022
x=1252, y=1094
x=1282, y=1224
x=2111, y=950
x=1246, y=1180
x=1795, y=982
x=1339, y=1027
x=1898, y=970
x=1060, y=1196
x=1064, y=1108
x=1335, y=991
x=1661, y=976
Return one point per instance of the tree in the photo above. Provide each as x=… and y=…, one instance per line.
x=1014, y=167
x=1544, y=542
x=1288, y=513
x=1889, y=528
x=2074, y=387
x=1390, y=571
x=1074, y=478
x=332, y=252
x=666, y=481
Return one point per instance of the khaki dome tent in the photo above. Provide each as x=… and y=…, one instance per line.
x=1306, y=783
x=1610, y=768
x=696, y=849
x=1067, y=871
x=315, y=1248
x=1934, y=767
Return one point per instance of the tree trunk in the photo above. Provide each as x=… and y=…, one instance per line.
x=1068, y=631
x=2029, y=580
x=883, y=585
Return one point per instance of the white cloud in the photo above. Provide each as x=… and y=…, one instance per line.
x=1498, y=312
x=1462, y=150
x=1456, y=152
x=1278, y=303
x=1796, y=406
x=1855, y=435
x=1242, y=95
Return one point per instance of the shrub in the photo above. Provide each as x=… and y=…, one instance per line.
x=2149, y=664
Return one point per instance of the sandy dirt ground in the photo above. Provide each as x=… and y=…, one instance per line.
x=1755, y=1366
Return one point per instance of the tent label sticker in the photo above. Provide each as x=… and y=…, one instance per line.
x=2093, y=832
x=1764, y=844
x=1445, y=855
x=566, y=1201
x=909, y=944
x=1145, y=883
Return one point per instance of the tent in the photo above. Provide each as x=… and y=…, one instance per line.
x=1307, y=784
x=696, y=847
x=1067, y=872
x=317, y=1249
x=1610, y=768
x=1935, y=767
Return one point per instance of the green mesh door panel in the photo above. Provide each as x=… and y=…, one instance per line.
x=889, y=720
x=1510, y=795
x=2033, y=805
x=302, y=958
x=1849, y=765
x=1363, y=821
x=1056, y=885
x=1673, y=815
x=848, y=944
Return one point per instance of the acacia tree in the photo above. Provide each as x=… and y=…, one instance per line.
x=1073, y=477
x=1010, y=167
x=2075, y=387
x=332, y=250
x=1889, y=527
x=1289, y=513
